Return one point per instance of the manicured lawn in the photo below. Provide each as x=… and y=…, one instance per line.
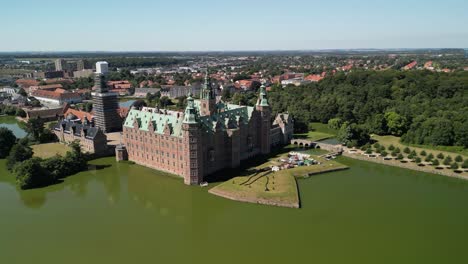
x=446, y=150
x=50, y=149
x=320, y=132
x=282, y=189
x=274, y=188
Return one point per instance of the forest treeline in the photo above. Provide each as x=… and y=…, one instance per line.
x=422, y=107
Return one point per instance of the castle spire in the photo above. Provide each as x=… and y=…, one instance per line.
x=262, y=98
x=190, y=116
x=207, y=91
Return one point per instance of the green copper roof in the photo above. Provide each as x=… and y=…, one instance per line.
x=262, y=99
x=145, y=119
x=228, y=116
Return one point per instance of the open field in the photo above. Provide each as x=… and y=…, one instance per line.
x=50, y=149
x=262, y=186
x=446, y=150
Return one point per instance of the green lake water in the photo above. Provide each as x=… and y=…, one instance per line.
x=11, y=123
x=121, y=213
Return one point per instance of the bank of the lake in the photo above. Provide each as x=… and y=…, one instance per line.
x=122, y=213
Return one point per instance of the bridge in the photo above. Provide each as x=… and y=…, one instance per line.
x=315, y=144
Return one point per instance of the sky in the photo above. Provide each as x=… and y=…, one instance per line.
x=227, y=25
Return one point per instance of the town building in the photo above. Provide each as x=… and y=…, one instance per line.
x=102, y=67
x=208, y=136
x=120, y=87
x=56, y=97
x=46, y=114
x=105, y=107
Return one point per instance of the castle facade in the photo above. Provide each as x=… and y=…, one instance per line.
x=207, y=137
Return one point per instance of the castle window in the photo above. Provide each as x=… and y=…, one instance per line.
x=211, y=155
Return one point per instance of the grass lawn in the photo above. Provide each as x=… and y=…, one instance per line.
x=320, y=132
x=446, y=150
x=50, y=149
x=273, y=188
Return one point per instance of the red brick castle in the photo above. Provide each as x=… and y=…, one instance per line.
x=207, y=137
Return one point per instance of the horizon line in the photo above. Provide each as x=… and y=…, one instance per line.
x=205, y=51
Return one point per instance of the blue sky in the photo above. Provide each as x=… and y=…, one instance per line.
x=179, y=25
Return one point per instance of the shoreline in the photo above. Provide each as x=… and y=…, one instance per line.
x=261, y=201
x=409, y=166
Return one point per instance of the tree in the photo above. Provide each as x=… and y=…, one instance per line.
x=440, y=156
x=391, y=147
x=458, y=158
x=406, y=150
x=423, y=153
x=447, y=160
x=353, y=135
x=19, y=152
x=20, y=112
x=383, y=153
x=22, y=92
x=400, y=156
x=397, y=150
x=7, y=140
x=396, y=123
x=436, y=162
x=465, y=164
x=335, y=123
x=30, y=174
x=454, y=166
x=226, y=95
x=35, y=128
x=369, y=151
x=418, y=160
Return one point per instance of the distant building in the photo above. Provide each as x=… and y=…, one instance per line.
x=80, y=65
x=142, y=92
x=121, y=87
x=90, y=137
x=295, y=82
x=57, y=96
x=83, y=73
x=48, y=75
x=102, y=67
x=178, y=91
x=314, y=77
x=410, y=65
x=47, y=114
x=60, y=64
x=105, y=107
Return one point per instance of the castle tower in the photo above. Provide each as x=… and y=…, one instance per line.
x=105, y=106
x=193, y=173
x=265, y=123
x=207, y=98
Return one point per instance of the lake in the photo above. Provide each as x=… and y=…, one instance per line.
x=122, y=213
x=11, y=123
